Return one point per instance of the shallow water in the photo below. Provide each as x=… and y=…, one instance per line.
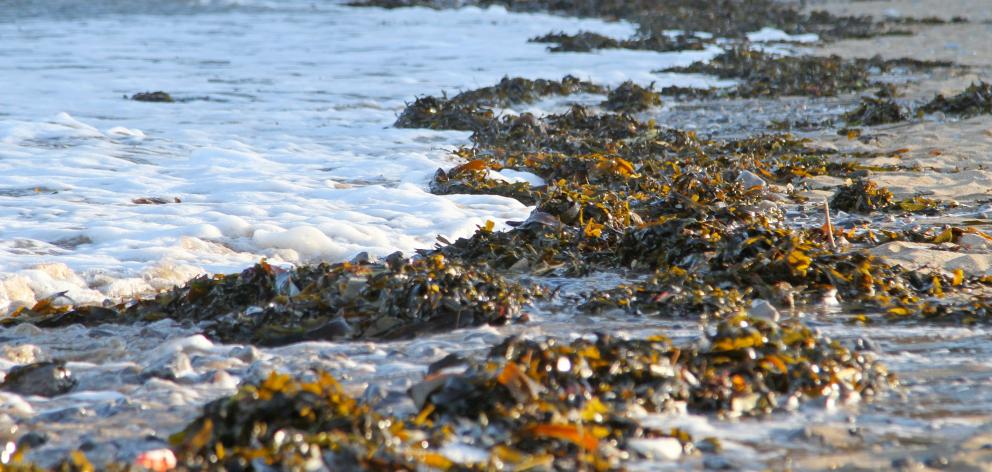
x=281, y=147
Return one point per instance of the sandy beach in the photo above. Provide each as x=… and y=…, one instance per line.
x=516, y=235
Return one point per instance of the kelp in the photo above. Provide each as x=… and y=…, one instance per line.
x=160, y=97
x=511, y=91
x=573, y=399
x=473, y=178
x=586, y=41
x=266, y=305
x=974, y=100
x=687, y=92
x=876, y=110
x=290, y=424
x=767, y=75
x=626, y=195
x=554, y=403
x=440, y=113
x=862, y=196
x=472, y=110
x=629, y=97
x=721, y=18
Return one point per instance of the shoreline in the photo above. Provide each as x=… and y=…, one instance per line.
x=688, y=250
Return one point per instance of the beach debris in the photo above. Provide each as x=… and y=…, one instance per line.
x=585, y=41
x=45, y=379
x=828, y=227
x=270, y=306
x=629, y=97
x=727, y=19
x=440, y=113
x=472, y=110
x=862, y=196
x=159, y=97
x=562, y=404
x=473, y=178
x=514, y=91
x=687, y=92
x=876, y=110
x=762, y=74
x=155, y=200
x=974, y=100
x=156, y=460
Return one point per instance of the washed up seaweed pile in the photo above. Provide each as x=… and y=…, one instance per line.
x=586, y=41
x=269, y=306
x=550, y=404
x=701, y=218
x=722, y=18
x=878, y=109
x=975, y=100
x=471, y=109
x=762, y=74
x=628, y=195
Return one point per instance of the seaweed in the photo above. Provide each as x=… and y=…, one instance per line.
x=874, y=111
x=974, y=100
x=763, y=74
x=626, y=195
x=629, y=97
x=266, y=305
x=563, y=405
x=440, y=113
x=571, y=399
x=159, y=97
x=722, y=18
x=467, y=180
x=687, y=92
x=291, y=424
x=862, y=196
x=472, y=110
x=512, y=91
x=585, y=41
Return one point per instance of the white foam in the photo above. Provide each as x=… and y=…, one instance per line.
x=768, y=34
x=292, y=158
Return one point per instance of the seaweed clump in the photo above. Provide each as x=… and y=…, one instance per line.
x=160, y=97
x=472, y=110
x=876, y=111
x=585, y=41
x=266, y=305
x=473, y=178
x=626, y=195
x=574, y=399
x=974, y=100
x=766, y=75
x=511, y=91
x=631, y=98
x=862, y=196
x=723, y=18
x=554, y=404
x=288, y=424
x=440, y=113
